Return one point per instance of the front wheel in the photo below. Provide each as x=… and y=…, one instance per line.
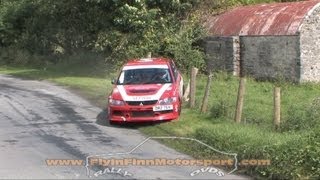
x=180, y=107
x=112, y=122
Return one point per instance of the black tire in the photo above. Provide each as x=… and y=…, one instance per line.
x=112, y=122
x=180, y=107
x=102, y=118
x=183, y=89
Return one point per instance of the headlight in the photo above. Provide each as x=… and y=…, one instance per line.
x=167, y=101
x=116, y=102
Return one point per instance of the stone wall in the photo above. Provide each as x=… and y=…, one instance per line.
x=270, y=57
x=294, y=58
x=220, y=54
x=310, y=46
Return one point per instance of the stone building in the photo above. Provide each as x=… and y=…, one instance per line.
x=266, y=41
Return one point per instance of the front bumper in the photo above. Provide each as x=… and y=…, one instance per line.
x=141, y=113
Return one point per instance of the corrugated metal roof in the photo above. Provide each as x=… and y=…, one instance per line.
x=262, y=19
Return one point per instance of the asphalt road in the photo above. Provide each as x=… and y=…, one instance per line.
x=41, y=121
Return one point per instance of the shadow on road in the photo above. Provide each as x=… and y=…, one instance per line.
x=103, y=120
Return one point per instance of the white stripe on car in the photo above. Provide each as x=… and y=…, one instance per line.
x=156, y=96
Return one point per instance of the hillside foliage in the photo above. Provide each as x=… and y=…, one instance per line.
x=38, y=31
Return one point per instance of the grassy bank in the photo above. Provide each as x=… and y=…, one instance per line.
x=90, y=80
x=294, y=151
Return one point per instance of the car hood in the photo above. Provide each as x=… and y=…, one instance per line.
x=145, y=92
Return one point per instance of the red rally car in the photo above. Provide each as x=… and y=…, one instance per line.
x=146, y=90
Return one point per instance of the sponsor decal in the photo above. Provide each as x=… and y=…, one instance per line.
x=157, y=96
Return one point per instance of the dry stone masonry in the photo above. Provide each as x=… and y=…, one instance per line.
x=267, y=41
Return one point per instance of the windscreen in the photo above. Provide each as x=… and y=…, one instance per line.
x=145, y=76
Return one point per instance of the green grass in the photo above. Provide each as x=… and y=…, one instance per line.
x=255, y=138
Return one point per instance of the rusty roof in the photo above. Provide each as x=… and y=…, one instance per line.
x=262, y=19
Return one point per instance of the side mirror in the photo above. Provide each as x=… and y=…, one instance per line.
x=113, y=81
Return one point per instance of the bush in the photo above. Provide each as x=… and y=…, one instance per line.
x=314, y=112
x=302, y=118
x=297, y=119
x=20, y=57
x=220, y=109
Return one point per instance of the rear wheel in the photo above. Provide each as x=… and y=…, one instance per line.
x=180, y=107
x=183, y=89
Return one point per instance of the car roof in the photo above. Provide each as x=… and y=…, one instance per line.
x=148, y=61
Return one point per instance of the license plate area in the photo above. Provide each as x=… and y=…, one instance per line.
x=162, y=108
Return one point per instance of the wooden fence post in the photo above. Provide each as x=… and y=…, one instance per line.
x=240, y=100
x=204, y=106
x=277, y=107
x=187, y=92
x=193, y=76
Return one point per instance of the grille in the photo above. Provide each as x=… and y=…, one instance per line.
x=138, y=103
x=142, y=114
x=142, y=91
x=117, y=113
